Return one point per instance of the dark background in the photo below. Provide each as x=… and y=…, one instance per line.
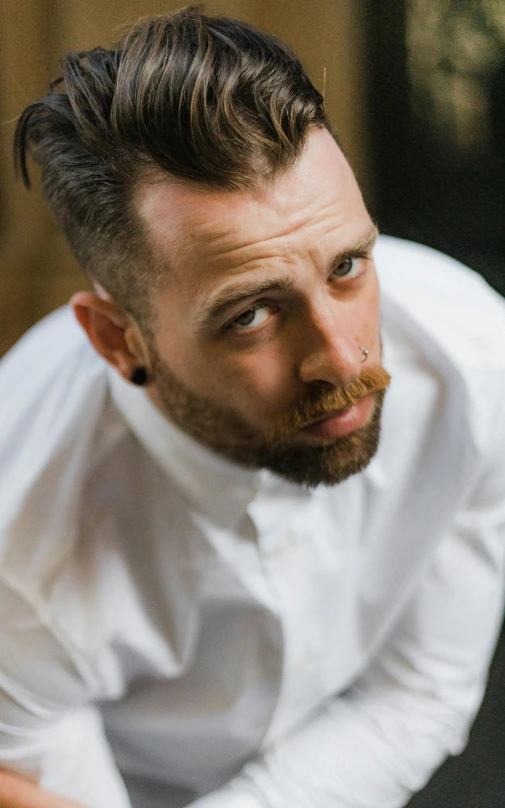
x=437, y=126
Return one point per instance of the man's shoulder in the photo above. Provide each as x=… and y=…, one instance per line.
x=451, y=306
x=49, y=380
x=45, y=345
x=47, y=355
x=51, y=364
x=53, y=391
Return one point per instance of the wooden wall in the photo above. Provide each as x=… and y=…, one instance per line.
x=37, y=272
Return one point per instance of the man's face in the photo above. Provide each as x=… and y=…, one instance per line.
x=269, y=294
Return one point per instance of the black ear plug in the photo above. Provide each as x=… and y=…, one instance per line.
x=139, y=376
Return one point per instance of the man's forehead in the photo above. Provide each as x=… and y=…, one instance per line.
x=188, y=221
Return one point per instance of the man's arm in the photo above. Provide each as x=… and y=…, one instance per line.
x=375, y=745
x=49, y=730
x=18, y=792
x=70, y=761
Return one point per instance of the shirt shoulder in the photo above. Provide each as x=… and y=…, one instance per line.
x=450, y=305
x=53, y=391
x=54, y=387
x=443, y=331
x=47, y=358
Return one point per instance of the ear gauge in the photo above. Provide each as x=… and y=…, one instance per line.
x=139, y=376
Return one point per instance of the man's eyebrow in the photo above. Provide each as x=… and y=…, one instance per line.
x=361, y=245
x=229, y=297
x=364, y=243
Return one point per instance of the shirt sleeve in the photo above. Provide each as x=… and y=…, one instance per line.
x=49, y=730
x=375, y=745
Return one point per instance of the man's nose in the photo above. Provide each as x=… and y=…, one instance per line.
x=329, y=349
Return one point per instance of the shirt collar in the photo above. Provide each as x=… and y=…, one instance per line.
x=218, y=488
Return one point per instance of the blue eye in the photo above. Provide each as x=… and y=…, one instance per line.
x=252, y=317
x=350, y=265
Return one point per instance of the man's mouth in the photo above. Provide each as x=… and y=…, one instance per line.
x=337, y=423
x=335, y=412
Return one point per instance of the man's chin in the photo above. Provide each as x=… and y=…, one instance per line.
x=321, y=465
x=325, y=461
x=307, y=457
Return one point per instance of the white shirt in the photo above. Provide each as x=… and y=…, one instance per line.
x=218, y=637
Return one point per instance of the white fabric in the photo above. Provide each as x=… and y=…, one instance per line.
x=248, y=643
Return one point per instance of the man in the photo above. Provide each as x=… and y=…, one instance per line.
x=216, y=589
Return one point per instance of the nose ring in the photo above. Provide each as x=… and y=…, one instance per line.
x=364, y=352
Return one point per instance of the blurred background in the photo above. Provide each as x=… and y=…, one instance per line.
x=415, y=89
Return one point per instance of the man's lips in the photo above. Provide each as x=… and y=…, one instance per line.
x=338, y=423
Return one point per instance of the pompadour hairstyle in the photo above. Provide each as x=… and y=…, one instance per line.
x=206, y=100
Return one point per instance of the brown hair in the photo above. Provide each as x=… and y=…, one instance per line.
x=206, y=100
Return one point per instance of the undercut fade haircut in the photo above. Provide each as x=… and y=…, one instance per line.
x=206, y=100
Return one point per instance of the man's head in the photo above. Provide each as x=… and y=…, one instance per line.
x=193, y=171
x=204, y=100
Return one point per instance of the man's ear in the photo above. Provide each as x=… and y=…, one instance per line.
x=112, y=331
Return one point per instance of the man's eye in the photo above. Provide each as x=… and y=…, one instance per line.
x=349, y=266
x=252, y=317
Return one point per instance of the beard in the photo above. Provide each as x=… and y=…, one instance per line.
x=222, y=430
